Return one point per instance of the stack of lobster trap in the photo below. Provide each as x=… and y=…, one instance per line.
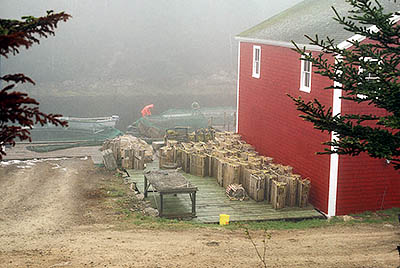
x=128, y=152
x=232, y=161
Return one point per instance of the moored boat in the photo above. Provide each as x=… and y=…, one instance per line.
x=91, y=122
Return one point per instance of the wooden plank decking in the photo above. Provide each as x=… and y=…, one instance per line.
x=212, y=201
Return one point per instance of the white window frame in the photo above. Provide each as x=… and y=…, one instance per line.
x=369, y=77
x=305, y=75
x=256, y=61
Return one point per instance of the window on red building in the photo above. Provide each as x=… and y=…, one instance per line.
x=256, y=61
x=305, y=76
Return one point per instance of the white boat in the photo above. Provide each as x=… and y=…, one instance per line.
x=91, y=122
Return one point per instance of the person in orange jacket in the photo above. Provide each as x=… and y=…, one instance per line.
x=146, y=110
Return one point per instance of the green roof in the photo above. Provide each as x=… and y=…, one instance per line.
x=310, y=17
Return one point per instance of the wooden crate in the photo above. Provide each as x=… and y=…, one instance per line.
x=291, y=197
x=200, y=165
x=281, y=169
x=220, y=171
x=257, y=187
x=247, y=147
x=232, y=174
x=178, y=158
x=266, y=161
x=213, y=166
x=269, y=177
x=171, y=143
x=254, y=162
x=221, y=153
x=192, y=166
x=139, y=159
x=109, y=160
x=303, y=189
x=291, y=189
x=247, y=172
x=162, y=161
x=244, y=155
x=186, y=161
x=127, y=158
x=278, y=194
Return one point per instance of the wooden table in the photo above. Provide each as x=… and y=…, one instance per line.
x=169, y=182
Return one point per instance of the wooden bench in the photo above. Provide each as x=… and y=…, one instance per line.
x=169, y=182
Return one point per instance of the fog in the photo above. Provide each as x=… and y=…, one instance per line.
x=137, y=48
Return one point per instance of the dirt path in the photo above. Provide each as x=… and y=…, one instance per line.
x=52, y=215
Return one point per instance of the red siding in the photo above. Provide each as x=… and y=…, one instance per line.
x=365, y=183
x=268, y=119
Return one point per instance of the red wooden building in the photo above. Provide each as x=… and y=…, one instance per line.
x=268, y=70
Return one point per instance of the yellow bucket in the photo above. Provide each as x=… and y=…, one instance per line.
x=223, y=219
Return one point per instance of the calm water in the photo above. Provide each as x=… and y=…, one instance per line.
x=128, y=107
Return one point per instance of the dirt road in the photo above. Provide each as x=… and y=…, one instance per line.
x=52, y=214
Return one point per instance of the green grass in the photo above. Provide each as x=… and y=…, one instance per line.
x=285, y=225
x=389, y=216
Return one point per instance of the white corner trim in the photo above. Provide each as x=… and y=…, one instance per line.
x=336, y=109
x=334, y=158
x=237, y=90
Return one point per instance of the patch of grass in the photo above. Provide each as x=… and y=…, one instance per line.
x=147, y=222
x=285, y=225
x=389, y=216
x=115, y=193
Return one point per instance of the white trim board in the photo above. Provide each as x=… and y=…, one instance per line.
x=334, y=158
x=336, y=109
x=276, y=43
x=237, y=90
x=357, y=37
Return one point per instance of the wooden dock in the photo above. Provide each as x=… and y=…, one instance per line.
x=212, y=201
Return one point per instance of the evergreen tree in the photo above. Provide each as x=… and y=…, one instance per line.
x=368, y=74
x=19, y=112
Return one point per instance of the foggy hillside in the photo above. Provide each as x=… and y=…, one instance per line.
x=137, y=47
